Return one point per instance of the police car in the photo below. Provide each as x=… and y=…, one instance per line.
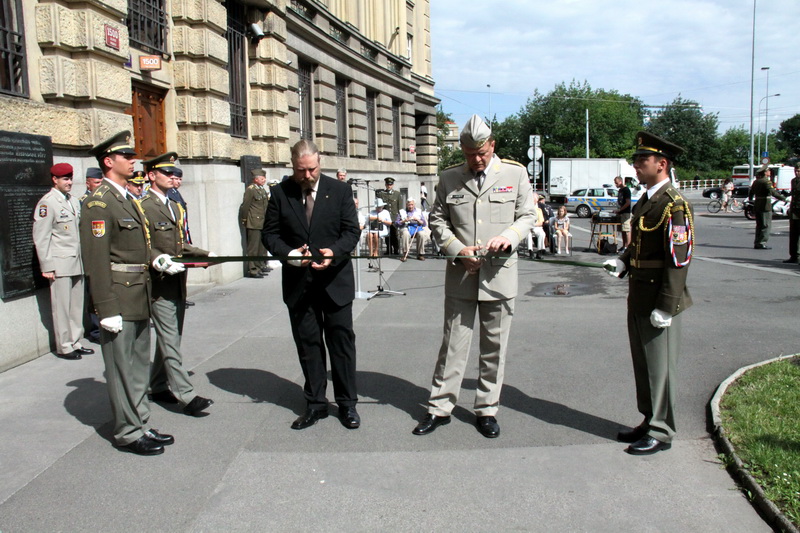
x=584, y=202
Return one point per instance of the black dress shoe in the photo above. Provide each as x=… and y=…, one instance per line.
x=257, y=275
x=309, y=418
x=349, y=417
x=634, y=434
x=791, y=261
x=164, y=396
x=71, y=356
x=647, y=445
x=143, y=446
x=84, y=351
x=488, y=426
x=189, y=303
x=197, y=406
x=430, y=423
x=762, y=247
x=160, y=438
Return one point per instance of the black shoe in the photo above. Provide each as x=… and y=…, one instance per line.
x=349, y=418
x=143, y=446
x=197, y=406
x=309, y=418
x=791, y=261
x=84, y=351
x=164, y=396
x=430, y=423
x=257, y=275
x=71, y=356
x=762, y=247
x=188, y=303
x=488, y=426
x=160, y=438
x=634, y=434
x=647, y=445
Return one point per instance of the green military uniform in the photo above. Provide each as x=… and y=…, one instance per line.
x=762, y=190
x=251, y=216
x=116, y=256
x=165, y=223
x=394, y=203
x=794, y=217
x=657, y=261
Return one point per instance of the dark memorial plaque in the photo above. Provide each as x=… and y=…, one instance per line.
x=25, y=162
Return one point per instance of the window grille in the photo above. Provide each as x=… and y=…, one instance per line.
x=237, y=68
x=13, y=70
x=341, y=117
x=396, y=130
x=371, y=127
x=147, y=26
x=302, y=9
x=369, y=53
x=304, y=87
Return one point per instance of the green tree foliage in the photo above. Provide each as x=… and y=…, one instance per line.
x=788, y=137
x=448, y=156
x=684, y=123
x=733, y=147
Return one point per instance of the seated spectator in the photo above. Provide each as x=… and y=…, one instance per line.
x=412, y=224
x=561, y=226
x=379, y=222
x=548, y=214
x=538, y=231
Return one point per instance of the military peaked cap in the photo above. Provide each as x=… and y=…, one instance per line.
x=165, y=163
x=649, y=144
x=118, y=144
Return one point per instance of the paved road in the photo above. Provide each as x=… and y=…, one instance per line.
x=555, y=467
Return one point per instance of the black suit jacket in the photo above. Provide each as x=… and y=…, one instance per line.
x=334, y=225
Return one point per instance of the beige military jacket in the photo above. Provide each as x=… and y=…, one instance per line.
x=56, y=234
x=464, y=216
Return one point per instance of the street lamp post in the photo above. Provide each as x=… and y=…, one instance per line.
x=766, y=119
x=752, y=77
x=490, y=103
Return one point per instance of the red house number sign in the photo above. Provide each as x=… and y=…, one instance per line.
x=112, y=37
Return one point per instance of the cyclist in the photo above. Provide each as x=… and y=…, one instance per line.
x=727, y=193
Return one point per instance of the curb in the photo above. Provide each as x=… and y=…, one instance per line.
x=774, y=517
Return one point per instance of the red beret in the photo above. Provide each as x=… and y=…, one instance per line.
x=60, y=170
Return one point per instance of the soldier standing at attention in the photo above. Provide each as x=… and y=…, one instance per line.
x=794, y=217
x=657, y=261
x=116, y=256
x=58, y=245
x=169, y=380
x=394, y=203
x=94, y=177
x=762, y=190
x=482, y=211
x=251, y=216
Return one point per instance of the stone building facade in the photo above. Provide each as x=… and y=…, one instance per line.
x=229, y=85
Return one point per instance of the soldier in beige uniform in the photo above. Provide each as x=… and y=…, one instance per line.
x=483, y=209
x=251, y=216
x=58, y=245
x=116, y=256
x=657, y=261
x=169, y=380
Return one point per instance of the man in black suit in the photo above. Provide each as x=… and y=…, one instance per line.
x=314, y=215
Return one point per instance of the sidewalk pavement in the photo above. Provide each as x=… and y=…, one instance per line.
x=555, y=467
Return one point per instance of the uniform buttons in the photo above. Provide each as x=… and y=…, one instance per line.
x=479, y=201
x=480, y=221
x=478, y=241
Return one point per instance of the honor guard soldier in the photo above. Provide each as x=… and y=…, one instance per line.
x=794, y=217
x=169, y=380
x=657, y=262
x=251, y=217
x=116, y=256
x=394, y=203
x=58, y=246
x=762, y=190
x=136, y=184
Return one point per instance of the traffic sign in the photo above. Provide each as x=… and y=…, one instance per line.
x=765, y=160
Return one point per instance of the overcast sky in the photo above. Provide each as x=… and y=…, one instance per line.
x=655, y=50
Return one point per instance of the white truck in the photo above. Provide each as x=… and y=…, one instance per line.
x=568, y=175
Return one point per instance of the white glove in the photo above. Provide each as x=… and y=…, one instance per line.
x=162, y=262
x=295, y=262
x=617, y=267
x=212, y=254
x=660, y=319
x=112, y=323
x=175, y=268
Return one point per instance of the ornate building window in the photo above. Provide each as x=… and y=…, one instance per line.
x=372, y=137
x=237, y=68
x=396, y=130
x=147, y=26
x=304, y=87
x=13, y=70
x=341, y=117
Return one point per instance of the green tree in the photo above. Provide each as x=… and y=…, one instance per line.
x=448, y=155
x=788, y=137
x=733, y=147
x=684, y=123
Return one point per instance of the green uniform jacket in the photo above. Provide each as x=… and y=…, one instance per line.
x=393, y=201
x=655, y=279
x=254, y=207
x=114, y=230
x=761, y=190
x=166, y=237
x=794, y=205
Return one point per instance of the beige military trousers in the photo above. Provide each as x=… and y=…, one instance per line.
x=66, y=299
x=495, y=324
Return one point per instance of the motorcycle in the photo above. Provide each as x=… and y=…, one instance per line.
x=779, y=208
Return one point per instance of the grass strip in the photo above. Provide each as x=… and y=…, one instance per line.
x=760, y=412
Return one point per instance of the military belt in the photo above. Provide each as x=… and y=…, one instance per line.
x=123, y=267
x=654, y=263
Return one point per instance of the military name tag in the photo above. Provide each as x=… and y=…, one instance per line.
x=456, y=196
x=98, y=228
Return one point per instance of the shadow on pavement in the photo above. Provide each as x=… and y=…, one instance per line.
x=88, y=403
x=260, y=386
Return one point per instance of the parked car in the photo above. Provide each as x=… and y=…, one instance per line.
x=741, y=188
x=584, y=202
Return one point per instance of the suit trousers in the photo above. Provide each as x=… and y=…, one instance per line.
x=794, y=237
x=419, y=239
x=321, y=328
x=127, y=359
x=66, y=299
x=255, y=247
x=167, y=371
x=763, y=223
x=654, y=352
x=495, y=324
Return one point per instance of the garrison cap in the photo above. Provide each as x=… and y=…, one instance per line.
x=61, y=170
x=165, y=163
x=118, y=144
x=177, y=172
x=137, y=178
x=649, y=144
x=256, y=172
x=475, y=133
x=94, y=173
x=388, y=181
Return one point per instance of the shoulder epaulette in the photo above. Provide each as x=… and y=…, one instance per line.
x=101, y=190
x=512, y=162
x=674, y=194
x=454, y=166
